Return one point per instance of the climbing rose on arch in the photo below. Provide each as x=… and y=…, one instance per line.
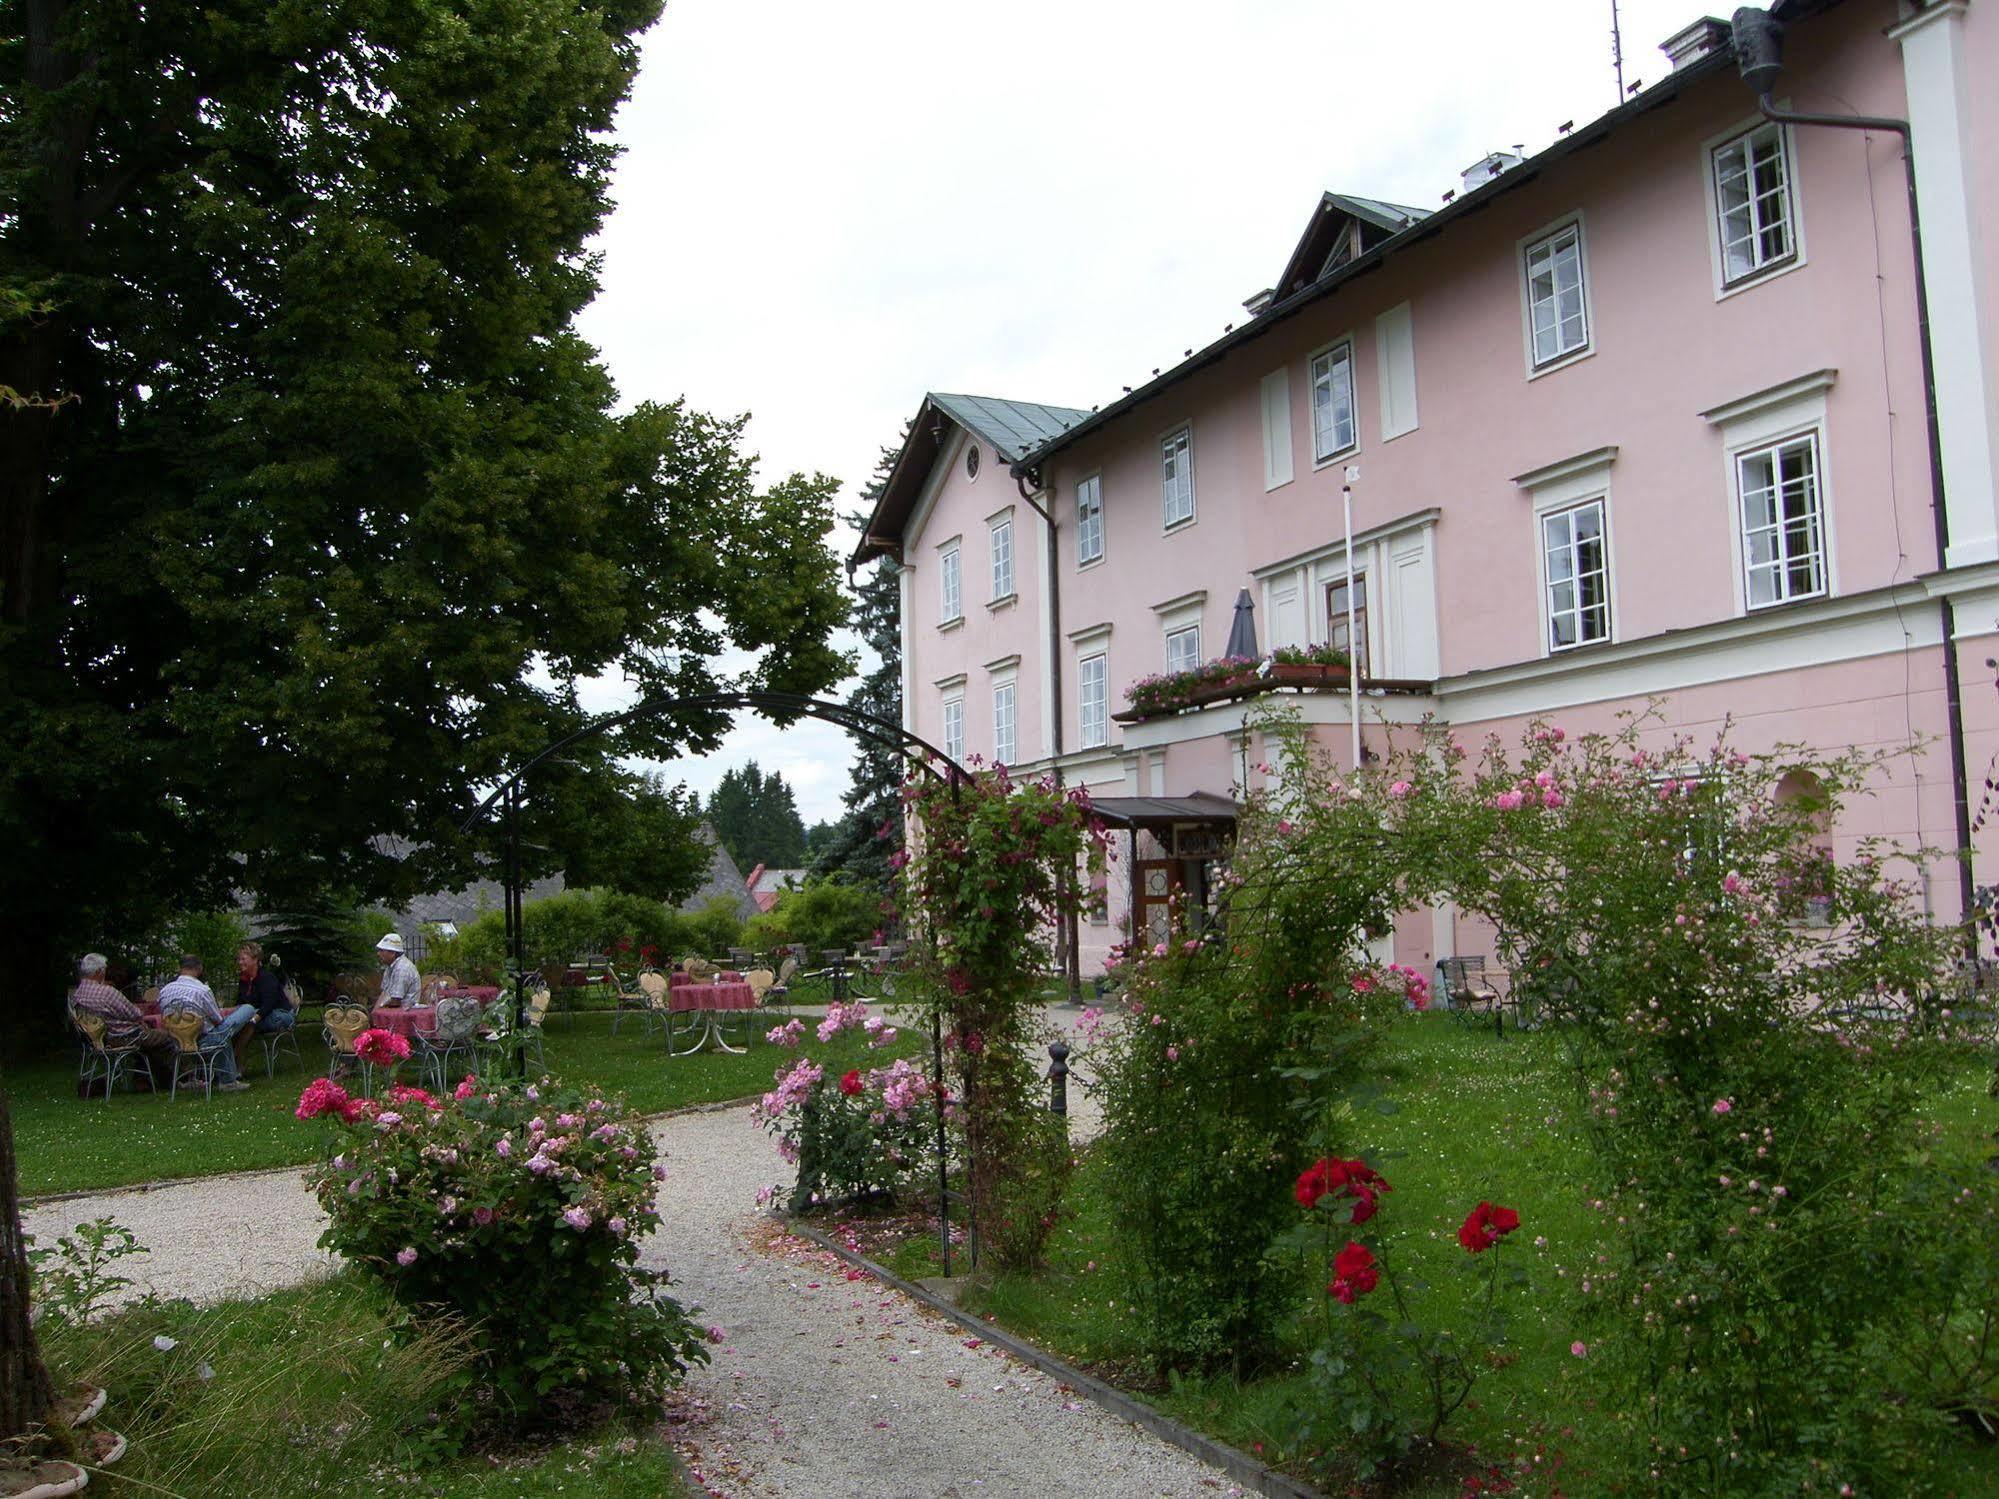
x=1485, y=1225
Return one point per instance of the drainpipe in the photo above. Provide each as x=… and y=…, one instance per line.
x=1759, y=42
x=1071, y=964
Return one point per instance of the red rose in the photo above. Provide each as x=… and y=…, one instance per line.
x=851, y=1083
x=1354, y=1273
x=1485, y=1225
x=1355, y=1179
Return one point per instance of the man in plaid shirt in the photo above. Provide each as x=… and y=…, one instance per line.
x=122, y=1025
x=218, y=1033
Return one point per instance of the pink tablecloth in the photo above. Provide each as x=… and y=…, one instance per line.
x=404, y=1020
x=683, y=997
x=484, y=993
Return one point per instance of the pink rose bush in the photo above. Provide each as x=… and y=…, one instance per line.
x=519, y=1211
x=857, y=1136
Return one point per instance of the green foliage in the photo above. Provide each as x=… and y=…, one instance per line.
x=75, y=1279
x=1229, y=1058
x=821, y=914
x=756, y=818
x=325, y=509
x=856, y=847
x=212, y=936
x=318, y=940
x=1752, y=1087
x=853, y=1136
x=519, y=1210
x=983, y=885
x=632, y=930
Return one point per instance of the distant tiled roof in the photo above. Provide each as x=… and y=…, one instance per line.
x=1012, y=427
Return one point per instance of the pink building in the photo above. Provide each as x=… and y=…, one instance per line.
x=1645, y=415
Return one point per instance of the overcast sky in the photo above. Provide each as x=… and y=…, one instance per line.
x=825, y=210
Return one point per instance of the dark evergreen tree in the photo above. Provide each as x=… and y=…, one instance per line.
x=871, y=831
x=756, y=817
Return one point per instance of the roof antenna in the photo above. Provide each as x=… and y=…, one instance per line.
x=1617, y=50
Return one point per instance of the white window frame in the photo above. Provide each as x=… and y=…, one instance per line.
x=1181, y=486
x=1006, y=721
x=1770, y=418
x=1000, y=542
x=1531, y=246
x=1727, y=285
x=1780, y=564
x=1093, y=707
x=953, y=719
x=1190, y=632
x=1336, y=619
x=1087, y=510
x=1543, y=518
x=1340, y=350
x=950, y=583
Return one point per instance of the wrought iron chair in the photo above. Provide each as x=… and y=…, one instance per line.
x=625, y=1000
x=189, y=1058
x=1466, y=989
x=341, y=1025
x=275, y=1041
x=104, y=1057
x=454, y=1033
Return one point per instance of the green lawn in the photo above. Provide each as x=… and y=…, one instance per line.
x=1475, y=1118
x=67, y=1145
x=306, y=1392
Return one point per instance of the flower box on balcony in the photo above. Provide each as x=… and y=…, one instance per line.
x=1313, y=669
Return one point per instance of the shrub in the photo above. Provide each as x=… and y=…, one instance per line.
x=559, y=928
x=861, y=1135
x=1231, y=1049
x=820, y=914
x=714, y=929
x=519, y=1210
x=213, y=936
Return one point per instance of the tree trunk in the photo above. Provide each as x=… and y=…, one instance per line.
x=26, y=1391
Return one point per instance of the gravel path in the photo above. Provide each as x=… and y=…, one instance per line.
x=825, y=1384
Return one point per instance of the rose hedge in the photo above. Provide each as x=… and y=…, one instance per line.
x=519, y=1210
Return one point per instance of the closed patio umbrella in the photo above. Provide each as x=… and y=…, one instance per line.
x=1242, y=629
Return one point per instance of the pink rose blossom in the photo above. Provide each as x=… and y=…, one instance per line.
x=482, y=1216
x=1723, y=1106
x=1399, y=789
x=1580, y=1350
x=576, y=1218
x=406, y=1257
x=503, y=1147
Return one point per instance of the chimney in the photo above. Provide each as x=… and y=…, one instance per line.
x=1690, y=45
x=1260, y=300
x=1486, y=168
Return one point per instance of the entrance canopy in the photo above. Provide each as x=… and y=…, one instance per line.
x=1154, y=813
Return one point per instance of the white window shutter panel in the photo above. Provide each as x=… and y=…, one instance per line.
x=1276, y=429
x=1395, y=350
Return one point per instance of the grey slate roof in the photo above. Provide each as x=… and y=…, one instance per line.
x=1012, y=427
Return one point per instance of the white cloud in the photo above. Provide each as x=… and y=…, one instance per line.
x=826, y=210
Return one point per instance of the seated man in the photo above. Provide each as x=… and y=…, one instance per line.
x=400, y=982
x=122, y=1024
x=261, y=989
x=190, y=995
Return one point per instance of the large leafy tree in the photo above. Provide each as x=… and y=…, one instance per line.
x=755, y=814
x=320, y=508
x=857, y=847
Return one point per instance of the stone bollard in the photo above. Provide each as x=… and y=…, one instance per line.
x=1058, y=1078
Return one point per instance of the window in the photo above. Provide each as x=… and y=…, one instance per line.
x=1577, y=576
x=1557, y=319
x=1093, y=699
x=1183, y=648
x=954, y=728
x=1353, y=642
x=1752, y=195
x=950, y=604
x=1004, y=743
x=1332, y=402
x=1176, y=461
x=1783, y=531
x=1002, y=559
x=1090, y=520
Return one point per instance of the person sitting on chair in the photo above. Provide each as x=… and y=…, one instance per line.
x=218, y=1034
x=122, y=1025
x=262, y=989
x=401, y=985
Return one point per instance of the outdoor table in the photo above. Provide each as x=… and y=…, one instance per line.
x=708, y=1003
x=406, y=1021
x=484, y=993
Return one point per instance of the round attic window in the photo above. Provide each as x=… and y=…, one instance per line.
x=972, y=461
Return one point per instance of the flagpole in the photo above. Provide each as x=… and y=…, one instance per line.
x=1353, y=636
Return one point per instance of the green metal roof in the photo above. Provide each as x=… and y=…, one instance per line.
x=1014, y=428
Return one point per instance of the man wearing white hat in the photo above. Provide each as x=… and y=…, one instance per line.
x=400, y=983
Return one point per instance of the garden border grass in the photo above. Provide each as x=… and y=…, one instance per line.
x=1232, y=1461
x=713, y=1106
